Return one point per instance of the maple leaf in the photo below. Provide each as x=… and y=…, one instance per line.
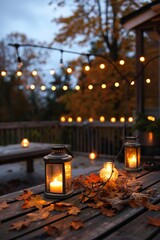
x=26, y=194
x=77, y=224
x=40, y=215
x=52, y=231
x=3, y=205
x=93, y=178
x=34, y=201
x=74, y=210
x=107, y=212
x=62, y=206
x=154, y=221
x=19, y=225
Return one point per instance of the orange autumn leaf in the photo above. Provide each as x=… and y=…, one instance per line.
x=62, y=206
x=40, y=215
x=93, y=178
x=19, y=225
x=52, y=231
x=3, y=205
x=74, y=210
x=107, y=212
x=26, y=194
x=154, y=221
x=34, y=201
x=77, y=224
x=151, y=206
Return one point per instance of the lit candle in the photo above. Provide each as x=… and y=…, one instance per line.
x=56, y=186
x=132, y=162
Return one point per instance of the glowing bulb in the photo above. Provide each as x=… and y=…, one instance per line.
x=77, y=87
x=69, y=70
x=121, y=62
x=43, y=88
x=113, y=119
x=116, y=84
x=148, y=80
x=62, y=119
x=132, y=83
x=70, y=119
x=90, y=119
x=25, y=143
x=90, y=87
x=102, y=66
x=3, y=73
x=34, y=73
x=151, y=118
x=53, y=88
x=92, y=155
x=65, y=88
x=122, y=119
x=19, y=73
x=32, y=86
x=52, y=72
x=87, y=68
x=103, y=86
x=79, y=119
x=102, y=119
x=142, y=59
x=130, y=119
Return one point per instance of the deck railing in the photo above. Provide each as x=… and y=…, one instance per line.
x=104, y=138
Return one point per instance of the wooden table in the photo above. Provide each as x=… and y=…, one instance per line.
x=15, y=153
x=128, y=224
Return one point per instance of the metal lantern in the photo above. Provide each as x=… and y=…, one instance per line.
x=58, y=172
x=132, y=154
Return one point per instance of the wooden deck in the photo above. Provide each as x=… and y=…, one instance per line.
x=128, y=224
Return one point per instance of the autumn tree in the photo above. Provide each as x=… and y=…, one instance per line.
x=18, y=102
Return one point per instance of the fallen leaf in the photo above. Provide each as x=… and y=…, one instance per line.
x=19, y=225
x=74, y=210
x=3, y=205
x=151, y=206
x=52, y=231
x=26, y=194
x=154, y=221
x=34, y=201
x=62, y=206
x=40, y=215
x=107, y=212
x=93, y=178
x=77, y=224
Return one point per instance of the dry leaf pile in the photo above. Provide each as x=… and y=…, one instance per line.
x=109, y=198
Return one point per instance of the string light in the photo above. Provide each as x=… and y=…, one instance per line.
x=121, y=62
x=142, y=59
x=53, y=88
x=19, y=73
x=34, y=73
x=132, y=83
x=70, y=119
x=52, y=71
x=62, y=119
x=130, y=119
x=43, y=88
x=69, y=70
x=32, y=86
x=116, y=84
x=90, y=119
x=79, y=119
x=90, y=87
x=3, y=73
x=103, y=86
x=77, y=87
x=148, y=80
x=65, y=88
x=87, y=68
x=122, y=119
x=102, y=119
x=102, y=66
x=113, y=119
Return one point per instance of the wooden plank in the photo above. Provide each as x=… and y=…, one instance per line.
x=96, y=225
x=138, y=228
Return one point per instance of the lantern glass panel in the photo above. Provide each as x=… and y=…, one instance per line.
x=54, y=178
x=68, y=176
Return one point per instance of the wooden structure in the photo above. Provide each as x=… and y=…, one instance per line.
x=130, y=223
x=144, y=19
x=15, y=153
